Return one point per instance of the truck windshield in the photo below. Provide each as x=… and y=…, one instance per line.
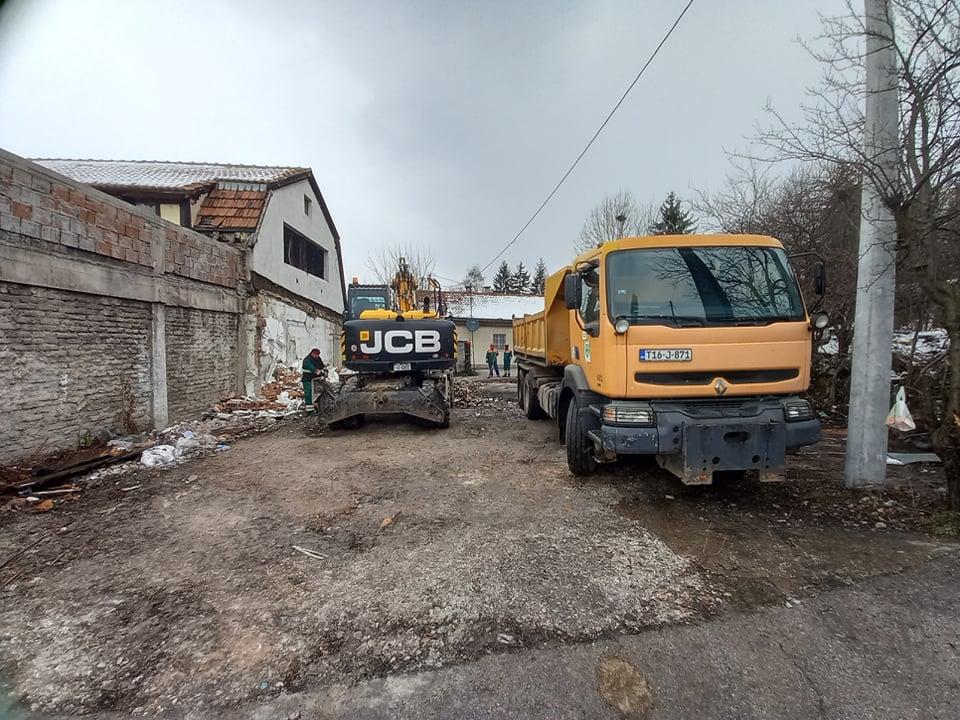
x=719, y=285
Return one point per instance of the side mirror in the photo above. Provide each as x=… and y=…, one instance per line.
x=572, y=290
x=819, y=278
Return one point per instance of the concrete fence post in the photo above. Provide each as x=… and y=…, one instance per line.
x=158, y=331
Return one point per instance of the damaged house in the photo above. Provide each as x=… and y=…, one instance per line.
x=295, y=291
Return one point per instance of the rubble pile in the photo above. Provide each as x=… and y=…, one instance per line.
x=286, y=380
x=475, y=394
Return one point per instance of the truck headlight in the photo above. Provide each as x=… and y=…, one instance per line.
x=797, y=410
x=628, y=415
x=621, y=326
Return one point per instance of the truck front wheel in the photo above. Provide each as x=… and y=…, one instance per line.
x=580, y=458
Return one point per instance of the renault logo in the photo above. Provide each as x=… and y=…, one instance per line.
x=720, y=386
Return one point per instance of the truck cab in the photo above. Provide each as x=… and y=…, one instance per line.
x=691, y=348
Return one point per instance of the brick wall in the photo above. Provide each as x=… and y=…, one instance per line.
x=195, y=256
x=72, y=365
x=86, y=281
x=204, y=345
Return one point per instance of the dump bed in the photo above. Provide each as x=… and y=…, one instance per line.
x=544, y=337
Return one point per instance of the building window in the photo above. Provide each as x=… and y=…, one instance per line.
x=500, y=340
x=303, y=253
x=177, y=213
x=170, y=212
x=306, y=205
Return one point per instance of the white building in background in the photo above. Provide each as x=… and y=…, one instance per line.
x=493, y=313
x=297, y=291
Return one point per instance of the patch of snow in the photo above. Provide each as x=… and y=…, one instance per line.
x=492, y=306
x=930, y=343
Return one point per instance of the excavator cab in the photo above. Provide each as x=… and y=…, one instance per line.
x=366, y=298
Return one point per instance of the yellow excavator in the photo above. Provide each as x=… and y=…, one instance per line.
x=398, y=356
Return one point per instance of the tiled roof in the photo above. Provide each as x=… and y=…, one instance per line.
x=231, y=209
x=158, y=175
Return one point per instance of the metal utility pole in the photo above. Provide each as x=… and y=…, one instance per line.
x=866, y=461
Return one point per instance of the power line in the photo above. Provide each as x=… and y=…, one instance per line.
x=583, y=152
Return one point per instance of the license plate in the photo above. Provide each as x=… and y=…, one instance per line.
x=666, y=355
x=401, y=367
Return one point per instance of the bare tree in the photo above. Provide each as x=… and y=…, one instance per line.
x=474, y=278
x=813, y=209
x=617, y=215
x=384, y=263
x=922, y=194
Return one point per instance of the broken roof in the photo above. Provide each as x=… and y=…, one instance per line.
x=231, y=210
x=160, y=175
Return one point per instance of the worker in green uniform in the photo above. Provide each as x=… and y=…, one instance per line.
x=492, y=356
x=507, y=359
x=313, y=367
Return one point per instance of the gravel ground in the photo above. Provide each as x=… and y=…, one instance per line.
x=186, y=597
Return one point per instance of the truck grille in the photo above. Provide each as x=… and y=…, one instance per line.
x=705, y=377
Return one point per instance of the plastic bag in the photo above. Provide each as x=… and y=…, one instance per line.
x=899, y=417
x=159, y=455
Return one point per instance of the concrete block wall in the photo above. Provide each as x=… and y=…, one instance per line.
x=76, y=363
x=203, y=345
x=140, y=316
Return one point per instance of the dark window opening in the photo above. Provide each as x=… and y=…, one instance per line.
x=302, y=253
x=306, y=205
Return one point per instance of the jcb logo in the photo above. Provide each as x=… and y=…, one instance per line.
x=400, y=342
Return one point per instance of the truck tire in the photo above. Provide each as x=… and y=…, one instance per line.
x=580, y=458
x=530, y=402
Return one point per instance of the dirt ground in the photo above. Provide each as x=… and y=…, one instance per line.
x=186, y=596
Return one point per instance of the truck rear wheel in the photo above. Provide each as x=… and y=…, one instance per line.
x=527, y=389
x=580, y=458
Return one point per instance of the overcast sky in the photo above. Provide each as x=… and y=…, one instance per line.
x=439, y=123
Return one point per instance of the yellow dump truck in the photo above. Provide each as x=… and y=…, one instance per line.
x=691, y=348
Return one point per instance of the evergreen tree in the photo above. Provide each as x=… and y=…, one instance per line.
x=673, y=219
x=520, y=281
x=539, y=278
x=501, y=281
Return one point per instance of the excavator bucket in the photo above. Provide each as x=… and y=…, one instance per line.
x=357, y=396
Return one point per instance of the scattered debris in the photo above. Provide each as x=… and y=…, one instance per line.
x=131, y=488
x=45, y=506
x=907, y=458
x=159, y=455
x=46, y=476
x=21, y=552
x=309, y=553
x=64, y=490
x=389, y=520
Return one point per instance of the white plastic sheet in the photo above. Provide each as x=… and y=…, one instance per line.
x=159, y=455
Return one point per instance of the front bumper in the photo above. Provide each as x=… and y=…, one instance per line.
x=736, y=434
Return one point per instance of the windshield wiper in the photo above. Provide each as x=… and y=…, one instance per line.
x=755, y=320
x=677, y=320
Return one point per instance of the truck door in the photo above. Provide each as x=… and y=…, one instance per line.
x=591, y=350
